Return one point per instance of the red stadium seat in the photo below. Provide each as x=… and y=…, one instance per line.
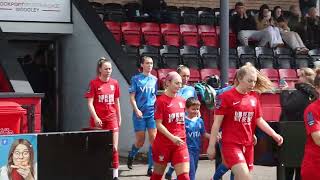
x=290, y=75
x=194, y=76
x=151, y=34
x=171, y=34
x=208, y=35
x=205, y=73
x=232, y=37
x=270, y=105
x=115, y=29
x=162, y=73
x=273, y=75
x=131, y=33
x=154, y=72
x=189, y=35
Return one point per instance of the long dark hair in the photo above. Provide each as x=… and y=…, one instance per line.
x=262, y=7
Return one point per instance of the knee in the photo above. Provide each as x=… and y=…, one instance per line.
x=139, y=143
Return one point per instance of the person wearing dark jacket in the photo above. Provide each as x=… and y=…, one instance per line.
x=305, y=5
x=294, y=103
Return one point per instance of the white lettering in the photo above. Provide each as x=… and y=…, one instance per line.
x=106, y=98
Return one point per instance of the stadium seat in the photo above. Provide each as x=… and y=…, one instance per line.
x=131, y=33
x=284, y=58
x=115, y=29
x=170, y=56
x=246, y=54
x=113, y=12
x=98, y=7
x=205, y=73
x=233, y=58
x=151, y=34
x=208, y=35
x=162, y=73
x=190, y=57
x=273, y=75
x=315, y=54
x=171, y=14
x=194, y=76
x=232, y=37
x=290, y=75
x=189, y=15
x=171, y=34
x=189, y=34
x=152, y=52
x=134, y=12
x=154, y=72
x=265, y=57
x=210, y=57
x=205, y=16
x=302, y=61
x=133, y=54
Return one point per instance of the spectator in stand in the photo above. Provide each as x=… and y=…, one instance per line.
x=292, y=38
x=312, y=27
x=240, y=20
x=265, y=23
x=264, y=33
x=295, y=20
x=277, y=13
x=305, y=5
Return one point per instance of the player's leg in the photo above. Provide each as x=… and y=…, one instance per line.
x=139, y=125
x=152, y=131
x=180, y=160
x=115, y=154
x=161, y=156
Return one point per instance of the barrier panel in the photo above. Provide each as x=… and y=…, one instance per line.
x=64, y=156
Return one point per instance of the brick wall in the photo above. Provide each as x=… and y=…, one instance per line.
x=251, y=4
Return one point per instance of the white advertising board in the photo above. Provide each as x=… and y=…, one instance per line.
x=36, y=10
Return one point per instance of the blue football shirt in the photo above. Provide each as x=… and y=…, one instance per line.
x=187, y=92
x=194, y=130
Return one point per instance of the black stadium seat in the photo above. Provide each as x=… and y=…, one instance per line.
x=205, y=16
x=189, y=15
x=284, y=58
x=170, y=56
x=113, y=12
x=190, y=57
x=246, y=54
x=233, y=58
x=133, y=53
x=210, y=57
x=265, y=57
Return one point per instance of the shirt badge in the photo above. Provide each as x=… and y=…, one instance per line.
x=112, y=87
x=180, y=105
x=310, y=119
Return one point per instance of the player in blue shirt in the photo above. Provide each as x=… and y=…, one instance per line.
x=185, y=91
x=143, y=91
x=194, y=130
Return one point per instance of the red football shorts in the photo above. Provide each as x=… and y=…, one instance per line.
x=107, y=125
x=236, y=153
x=162, y=154
x=309, y=171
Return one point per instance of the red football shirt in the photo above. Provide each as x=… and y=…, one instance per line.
x=171, y=111
x=312, y=124
x=240, y=116
x=104, y=95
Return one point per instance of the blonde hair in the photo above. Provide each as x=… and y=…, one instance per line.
x=263, y=83
x=181, y=67
x=100, y=62
x=308, y=74
x=316, y=81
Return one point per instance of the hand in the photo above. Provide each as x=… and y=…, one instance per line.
x=24, y=171
x=211, y=151
x=176, y=140
x=119, y=122
x=278, y=138
x=98, y=122
x=139, y=113
x=255, y=140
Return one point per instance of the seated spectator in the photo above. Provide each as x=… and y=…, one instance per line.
x=277, y=13
x=312, y=28
x=305, y=5
x=265, y=23
x=295, y=20
x=264, y=33
x=292, y=38
x=240, y=20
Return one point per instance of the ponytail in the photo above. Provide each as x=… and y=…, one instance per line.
x=316, y=80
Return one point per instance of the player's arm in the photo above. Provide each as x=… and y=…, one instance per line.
x=161, y=128
x=93, y=113
x=133, y=103
x=117, y=103
x=264, y=126
x=213, y=136
x=207, y=135
x=316, y=137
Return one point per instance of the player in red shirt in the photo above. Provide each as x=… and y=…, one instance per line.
x=238, y=112
x=170, y=142
x=311, y=160
x=104, y=106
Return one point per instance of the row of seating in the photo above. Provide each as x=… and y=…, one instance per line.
x=209, y=57
x=289, y=75
x=135, y=34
